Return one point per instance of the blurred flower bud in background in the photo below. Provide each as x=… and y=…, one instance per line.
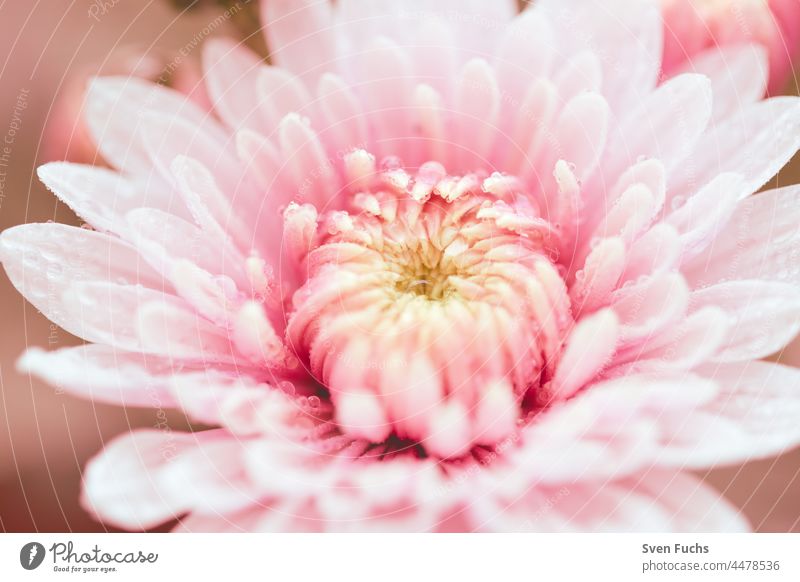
x=66, y=134
x=787, y=14
x=694, y=25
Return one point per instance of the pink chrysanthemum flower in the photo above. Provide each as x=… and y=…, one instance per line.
x=692, y=26
x=440, y=267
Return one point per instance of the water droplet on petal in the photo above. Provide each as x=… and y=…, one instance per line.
x=391, y=163
x=678, y=202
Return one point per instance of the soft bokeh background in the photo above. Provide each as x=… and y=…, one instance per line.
x=47, y=437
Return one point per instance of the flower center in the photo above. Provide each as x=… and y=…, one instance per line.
x=431, y=309
x=426, y=275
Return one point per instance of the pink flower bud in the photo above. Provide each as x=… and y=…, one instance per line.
x=691, y=26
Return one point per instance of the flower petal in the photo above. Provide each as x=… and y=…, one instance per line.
x=478, y=105
x=753, y=416
x=342, y=121
x=756, y=143
x=665, y=125
x=646, y=309
x=115, y=107
x=44, y=260
x=231, y=76
x=656, y=501
x=300, y=36
x=628, y=35
x=148, y=477
x=588, y=350
x=524, y=53
x=765, y=316
x=103, y=197
x=738, y=76
x=105, y=374
x=761, y=241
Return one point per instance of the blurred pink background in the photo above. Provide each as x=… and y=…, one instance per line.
x=45, y=437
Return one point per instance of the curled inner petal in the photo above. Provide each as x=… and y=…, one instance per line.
x=431, y=309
